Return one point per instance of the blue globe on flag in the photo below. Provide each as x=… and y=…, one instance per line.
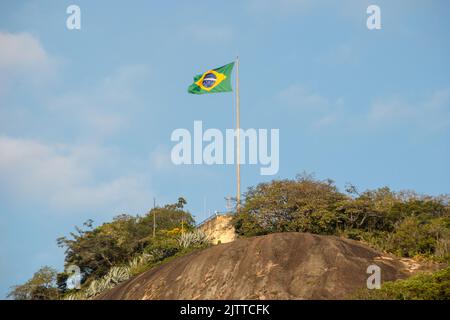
x=209, y=80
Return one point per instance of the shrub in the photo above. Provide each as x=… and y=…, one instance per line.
x=410, y=238
x=114, y=276
x=418, y=236
x=196, y=238
x=114, y=243
x=403, y=223
x=425, y=286
x=442, y=251
x=161, y=248
x=302, y=204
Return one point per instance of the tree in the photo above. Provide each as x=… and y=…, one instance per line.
x=404, y=223
x=415, y=236
x=96, y=250
x=42, y=286
x=181, y=203
x=303, y=204
x=423, y=286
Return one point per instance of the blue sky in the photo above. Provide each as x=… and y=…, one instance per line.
x=86, y=116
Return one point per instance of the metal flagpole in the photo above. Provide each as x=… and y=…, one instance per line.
x=238, y=136
x=154, y=217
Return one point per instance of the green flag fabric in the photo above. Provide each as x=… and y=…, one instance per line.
x=213, y=81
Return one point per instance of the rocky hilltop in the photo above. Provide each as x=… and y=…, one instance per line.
x=275, y=266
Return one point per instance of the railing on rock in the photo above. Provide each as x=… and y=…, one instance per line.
x=213, y=216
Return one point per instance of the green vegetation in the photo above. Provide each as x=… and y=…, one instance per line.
x=425, y=286
x=115, y=251
x=405, y=224
x=42, y=286
x=96, y=250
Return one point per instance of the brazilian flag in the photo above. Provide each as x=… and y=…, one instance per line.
x=213, y=81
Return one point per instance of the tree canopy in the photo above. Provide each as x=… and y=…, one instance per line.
x=403, y=223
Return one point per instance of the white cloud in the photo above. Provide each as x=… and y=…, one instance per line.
x=320, y=111
x=429, y=115
x=160, y=159
x=207, y=32
x=100, y=111
x=22, y=51
x=70, y=177
x=279, y=6
x=388, y=110
x=120, y=86
x=325, y=121
x=22, y=57
x=299, y=96
x=342, y=54
x=440, y=100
